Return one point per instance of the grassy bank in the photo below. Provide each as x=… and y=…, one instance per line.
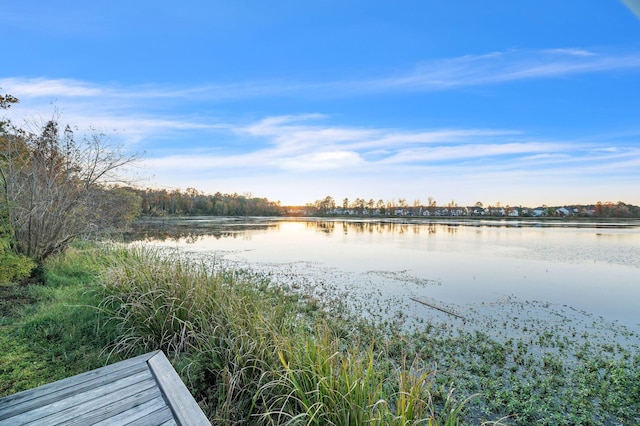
x=249, y=352
x=254, y=353
x=52, y=331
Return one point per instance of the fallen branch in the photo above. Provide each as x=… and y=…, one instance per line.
x=439, y=308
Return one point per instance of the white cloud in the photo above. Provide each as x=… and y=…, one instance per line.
x=352, y=154
x=501, y=67
x=572, y=51
x=355, y=154
x=322, y=161
x=475, y=151
x=49, y=88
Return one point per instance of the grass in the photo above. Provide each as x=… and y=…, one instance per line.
x=49, y=332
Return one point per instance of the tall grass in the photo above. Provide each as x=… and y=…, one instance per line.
x=252, y=354
x=321, y=384
x=225, y=324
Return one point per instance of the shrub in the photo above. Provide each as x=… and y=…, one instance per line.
x=13, y=267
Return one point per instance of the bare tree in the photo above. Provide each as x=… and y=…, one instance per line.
x=54, y=186
x=432, y=205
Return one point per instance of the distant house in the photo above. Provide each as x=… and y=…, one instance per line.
x=539, y=211
x=342, y=212
x=562, y=211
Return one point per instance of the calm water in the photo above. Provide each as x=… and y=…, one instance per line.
x=583, y=266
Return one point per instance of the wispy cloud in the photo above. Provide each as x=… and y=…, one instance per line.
x=432, y=75
x=288, y=157
x=323, y=160
x=42, y=87
x=450, y=153
x=306, y=146
x=502, y=67
x=571, y=52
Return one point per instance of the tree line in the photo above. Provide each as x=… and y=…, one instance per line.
x=609, y=209
x=191, y=202
x=371, y=207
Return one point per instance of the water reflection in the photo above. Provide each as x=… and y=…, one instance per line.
x=192, y=230
x=593, y=266
x=329, y=227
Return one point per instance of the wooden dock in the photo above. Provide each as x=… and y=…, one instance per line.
x=144, y=390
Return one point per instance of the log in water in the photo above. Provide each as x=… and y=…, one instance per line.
x=439, y=308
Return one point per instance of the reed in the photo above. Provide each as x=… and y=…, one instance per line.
x=320, y=383
x=251, y=352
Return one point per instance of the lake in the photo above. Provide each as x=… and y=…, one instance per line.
x=427, y=270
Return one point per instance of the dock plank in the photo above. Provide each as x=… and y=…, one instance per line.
x=115, y=408
x=143, y=390
x=76, y=401
x=141, y=412
x=75, y=383
x=184, y=407
x=73, y=408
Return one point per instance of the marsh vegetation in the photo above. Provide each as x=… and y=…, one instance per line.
x=306, y=342
x=523, y=360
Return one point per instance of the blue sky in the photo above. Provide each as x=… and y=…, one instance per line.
x=517, y=102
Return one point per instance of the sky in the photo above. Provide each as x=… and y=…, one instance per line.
x=512, y=102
